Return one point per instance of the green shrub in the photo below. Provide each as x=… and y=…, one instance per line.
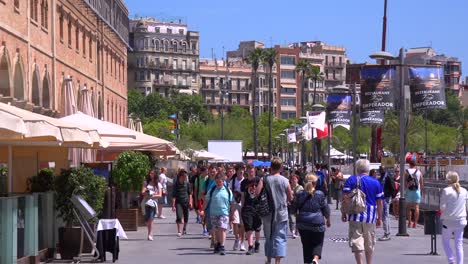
x=42, y=182
x=130, y=170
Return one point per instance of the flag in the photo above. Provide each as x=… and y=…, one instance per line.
x=322, y=133
x=316, y=119
x=307, y=132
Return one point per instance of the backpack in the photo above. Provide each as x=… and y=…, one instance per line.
x=355, y=201
x=320, y=177
x=211, y=195
x=412, y=181
x=263, y=203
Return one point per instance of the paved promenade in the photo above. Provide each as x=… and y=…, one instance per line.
x=194, y=248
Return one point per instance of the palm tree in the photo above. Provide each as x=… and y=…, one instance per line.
x=254, y=58
x=303, y=67
x=316, y=76
x=269, y=57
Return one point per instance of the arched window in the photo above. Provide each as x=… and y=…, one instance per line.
x=44, y=14
x=175, y=46
x=36, y=100
x=166, y=45
x=100, y=109
x=156, y=44
x=46, y=91
x=184, y=47
x=18, y=80
x=5, y=82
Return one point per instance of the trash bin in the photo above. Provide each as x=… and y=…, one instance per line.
x=432, y=223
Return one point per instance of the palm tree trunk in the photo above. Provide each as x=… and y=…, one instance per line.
x=254, y=113
x=270, y=98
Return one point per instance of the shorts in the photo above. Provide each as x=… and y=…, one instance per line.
x=199, y=205
x=150, y=212
x=219, y=222
x=237, y=215
x=361, y=236
x=413, y=196
x=182, y=213
x=251, y=220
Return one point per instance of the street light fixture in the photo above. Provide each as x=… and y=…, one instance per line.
x=283, y=155
x=401, y=57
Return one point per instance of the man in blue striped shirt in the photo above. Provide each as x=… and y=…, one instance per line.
x=362, y=225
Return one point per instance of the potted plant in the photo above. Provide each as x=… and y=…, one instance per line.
x=76, y=181
x=130, y=170
x=42, y=185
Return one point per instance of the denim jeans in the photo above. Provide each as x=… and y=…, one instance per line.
x=386, y=215
x=457, y=228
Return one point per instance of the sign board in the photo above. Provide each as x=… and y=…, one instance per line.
x=231, y=150
x=388, y=162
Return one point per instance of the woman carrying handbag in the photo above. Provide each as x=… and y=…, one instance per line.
x=151, y=192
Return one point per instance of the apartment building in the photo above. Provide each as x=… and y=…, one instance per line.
x=238, y=58
x=44, y=43
x=165, y=57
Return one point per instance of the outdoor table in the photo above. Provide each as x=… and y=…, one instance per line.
x=108, y=233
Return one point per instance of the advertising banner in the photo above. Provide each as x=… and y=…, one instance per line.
x=292, y=135
x=339, y=109
x=427, y=88
x=372, y=117
x=377, y=87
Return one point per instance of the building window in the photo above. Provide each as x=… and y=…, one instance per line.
x=156, y=44
x=194, y=65
x=181, y=31
x=84, y=43
x=288, y=101
x=288, y=60
x=326, y=60
x=142, y=76
x=333, y=60
x=69, y=33
x=77, y=38
x=334, y=75
x=90, y=48
x=17, y=5
x=33, y=11
x=340, y=59
x=157, y=29
x=174, y=65
x=175, y=47
x=61, y=27
x=288, y=74
x=44, y=14
x=169, y=30
x=326, y=74
x=166, y=45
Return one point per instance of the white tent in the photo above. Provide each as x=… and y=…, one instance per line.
x=205, y=155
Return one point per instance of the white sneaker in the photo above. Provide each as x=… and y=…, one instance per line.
x=242, y=247
x=150, y=238
x=179, y=234
x=236, y=245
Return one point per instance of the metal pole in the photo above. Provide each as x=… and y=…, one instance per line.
x=353, y=91
x=426, y=143
x=329, y=200
x=402, y=220
x=222, y=115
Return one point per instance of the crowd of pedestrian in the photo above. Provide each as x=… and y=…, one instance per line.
x=244, y=200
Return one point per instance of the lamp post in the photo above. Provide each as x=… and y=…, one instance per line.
x=222, y=92
x=315, y=108
x=402, y=201
x=303, y=144
x=281, y=146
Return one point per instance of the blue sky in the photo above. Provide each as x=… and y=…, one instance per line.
x=354, y=24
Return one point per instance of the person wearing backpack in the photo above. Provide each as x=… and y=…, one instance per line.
x=362, y=207
x=237, y=225
x=388, y=185
x=275, y=223
x=182, y=201
x=220, y=204
x=414, y=190
x=251, y=220
x=322, y=181
x=312, y=210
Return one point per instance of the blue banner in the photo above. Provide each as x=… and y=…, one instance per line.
x=377, y=87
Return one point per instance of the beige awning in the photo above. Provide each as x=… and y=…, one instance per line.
x=18, y=125
x=122, y=138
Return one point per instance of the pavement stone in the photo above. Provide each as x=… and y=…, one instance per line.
x=194, y=248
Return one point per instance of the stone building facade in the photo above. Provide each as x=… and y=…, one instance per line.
x=44, y=43
x=164, y=57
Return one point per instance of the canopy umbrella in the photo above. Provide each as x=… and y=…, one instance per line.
x=205, y=155
x=69, y=105
x=21, y=127
x=130, y=123
x=257, y=163
x=138, y=125
x=85, y=105
x=122, y=138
